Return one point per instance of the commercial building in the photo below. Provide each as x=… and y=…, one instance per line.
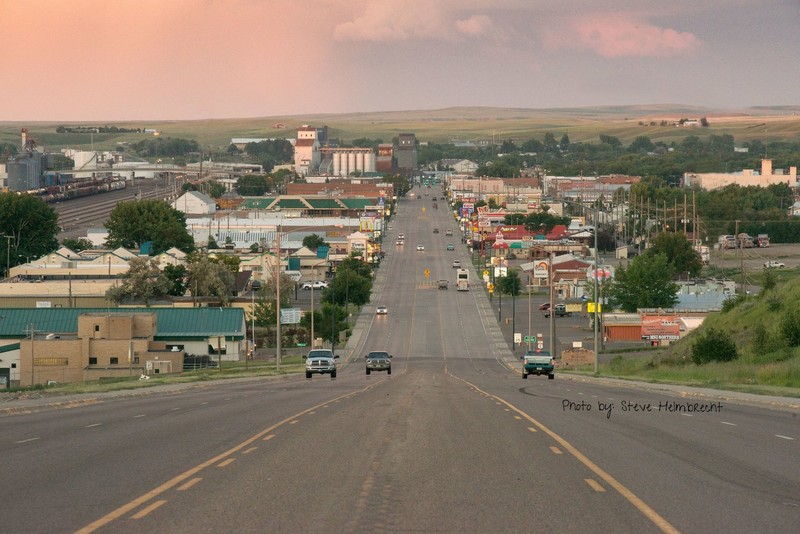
x=748, y=177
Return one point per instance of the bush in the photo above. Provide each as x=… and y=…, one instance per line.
x=713, y=346
x=790, y=327
x=731, y=302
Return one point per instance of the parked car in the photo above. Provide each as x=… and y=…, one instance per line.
x=318, y=284
x=560, y=311
x=320, y=362
x=379, y=361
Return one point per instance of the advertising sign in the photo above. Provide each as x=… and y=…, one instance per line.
x=661, y=327
x=540, y=269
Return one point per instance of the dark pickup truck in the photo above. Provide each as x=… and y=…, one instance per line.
x=538, y=362
x=561, y=311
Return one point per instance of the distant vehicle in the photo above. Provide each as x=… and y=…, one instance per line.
x=435, y=230
x=444, y=284
x=560, y=311
x=456, y=264
x=379, y=361
x=451, y=246
x=398, y=242
x=401, y=236
x=774, y=264
x=448, y=232
x=545, y=306
x=462, y=280
x=538, y=362
x=320, y=362
x=420, y=247
x=381, y=310
x=436, y=205
x=318, y=284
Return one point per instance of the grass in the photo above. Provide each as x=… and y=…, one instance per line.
x=289, y=365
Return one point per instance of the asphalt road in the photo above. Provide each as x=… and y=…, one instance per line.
x=453, y=441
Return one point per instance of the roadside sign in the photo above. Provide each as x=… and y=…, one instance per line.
x=490, y=286
x=517, y=338
x=427, y=273
x=485, y=273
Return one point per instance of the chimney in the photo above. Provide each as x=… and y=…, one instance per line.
x=766, y=167
x=24, y=137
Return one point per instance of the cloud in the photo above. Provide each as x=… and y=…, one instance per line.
x=614, y=35
x=411, y=20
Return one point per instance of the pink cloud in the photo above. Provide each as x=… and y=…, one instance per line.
x=614, y=35
x=475, y=25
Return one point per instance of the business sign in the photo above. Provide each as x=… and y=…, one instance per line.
x=602, y=274
x=540, y=269
x=661, y=327
x=291, y=315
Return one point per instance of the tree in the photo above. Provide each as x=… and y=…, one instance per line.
x=77, y=244
x=31, y=224
x=176, y=274
x=131, y=224
x=313, y=242
x=645, y=283
x=564, y=143
x=675, y=246
x=209, y=278
x=252, y=185
x=509, y=284
x=713, y=346
x=348, y=286
x=265, y=300
x=144, y=281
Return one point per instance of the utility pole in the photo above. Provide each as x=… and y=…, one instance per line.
x=596, y=296
x=278, y=300
x=8, y=254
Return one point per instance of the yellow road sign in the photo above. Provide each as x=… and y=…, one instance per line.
x=427, y=273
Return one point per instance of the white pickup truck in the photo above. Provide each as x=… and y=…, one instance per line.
x=774, y=264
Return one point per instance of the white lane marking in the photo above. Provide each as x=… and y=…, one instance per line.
x=140, y=415
x=727, y=423
x=27, y=440
x=92, y=425
x=173, y=409
x=202, y=403
x=784, y=437
x=686, y=414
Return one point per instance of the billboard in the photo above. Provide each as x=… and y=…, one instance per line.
x=661, y=327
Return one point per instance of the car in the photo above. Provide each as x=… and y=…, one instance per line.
x=538, y=362
x=448, y=232
x=560, y=310
x=381, y=310
x=320, y=362
x=451, y=246
x=456, y=264
x=444, y=284
x=317, y=284
x=420, y=247
x=435, y=230
x=401, y=236
x=399, y=242
x=774, y=264
x=544, y=306
x=379, y=361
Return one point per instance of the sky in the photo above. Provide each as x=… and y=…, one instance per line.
x=102, y=60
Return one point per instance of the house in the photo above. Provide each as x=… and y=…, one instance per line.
x=195, y=203
x=79, y=344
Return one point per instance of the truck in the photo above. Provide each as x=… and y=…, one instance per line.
x=462, y=280
x=538, y=362
x=560, y=311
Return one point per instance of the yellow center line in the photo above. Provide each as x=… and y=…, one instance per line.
x=141, y=513
x=638, y=503
x=595, y=485
x=190, y=484
x=251, y=449
x=227, y=462
x=555, y=450
x=152, y=494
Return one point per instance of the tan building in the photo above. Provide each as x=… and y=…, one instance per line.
x=748, y=177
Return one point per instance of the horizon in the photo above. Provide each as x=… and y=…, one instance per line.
x=127, y=61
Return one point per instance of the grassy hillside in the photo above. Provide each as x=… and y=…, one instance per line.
x=442, y=125
x=766, y=363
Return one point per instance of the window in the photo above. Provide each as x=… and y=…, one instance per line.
x=135, y=359
x=92, y=360
x=97, y=328
x=114, y=360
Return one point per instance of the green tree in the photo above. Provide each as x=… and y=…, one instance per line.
x=31, y=225
x=252, y=185
x=348, y=286
x=77, y=244
x=678, y=249
x=131, y=224
x=645, y=283
x=330, y=322
x=176, y=274
x=713, y=345
x=230, y=261
x=509, y=284
x=265, y=300
x=314, y=241
x=216, y=189
x=144, y=281
x=209, y=278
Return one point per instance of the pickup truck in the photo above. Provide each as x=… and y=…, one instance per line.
x=774, y=264
x=561, y=311
x=538, y=362
x=321, y=362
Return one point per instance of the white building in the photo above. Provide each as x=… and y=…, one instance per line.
x=307, y=155
x=195, y=203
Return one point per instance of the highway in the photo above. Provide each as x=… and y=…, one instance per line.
x=452, y=441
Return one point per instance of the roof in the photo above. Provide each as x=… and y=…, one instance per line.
x=171, y=323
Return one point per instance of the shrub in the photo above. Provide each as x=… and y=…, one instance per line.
x=713, y=346
x=790, y=327
x=731, y=302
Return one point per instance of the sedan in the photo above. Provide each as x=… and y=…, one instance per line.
x=420, y=247
x=381, y=310
x=451, y=246
x=379, y=361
